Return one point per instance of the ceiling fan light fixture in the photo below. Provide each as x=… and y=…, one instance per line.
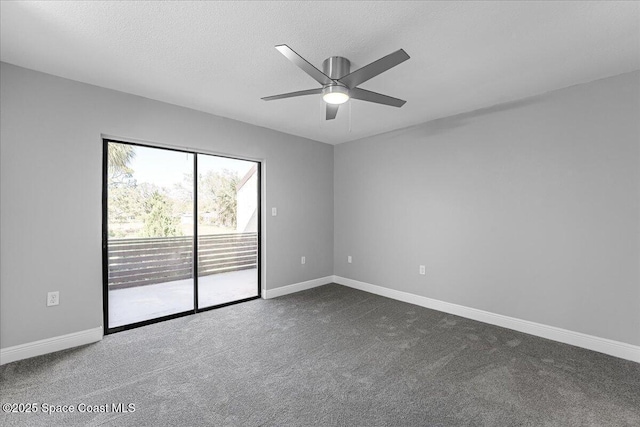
x=335, y=94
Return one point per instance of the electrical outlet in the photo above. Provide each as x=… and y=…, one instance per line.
x=349, y=259
x=53, y=298
x=303, y=260
x=274, y=211
x=423, y=270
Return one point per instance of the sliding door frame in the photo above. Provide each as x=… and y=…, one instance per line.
x=105, y=236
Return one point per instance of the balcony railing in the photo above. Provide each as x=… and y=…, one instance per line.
x=147, y=261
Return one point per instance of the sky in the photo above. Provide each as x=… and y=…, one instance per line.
x=166, y=167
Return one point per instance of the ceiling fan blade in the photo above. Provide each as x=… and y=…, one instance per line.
x=292, y=56
x=292, y=94
x=367, y=72
x=332, y=110
x=378, y=98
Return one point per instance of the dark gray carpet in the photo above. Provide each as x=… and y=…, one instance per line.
x=330, y=356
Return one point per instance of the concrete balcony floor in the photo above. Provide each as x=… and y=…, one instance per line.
x=147, y=302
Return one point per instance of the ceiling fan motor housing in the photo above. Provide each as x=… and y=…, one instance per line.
x=336, y=67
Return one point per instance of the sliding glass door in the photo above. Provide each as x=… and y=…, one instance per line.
x=227, y=230
x=180, y=233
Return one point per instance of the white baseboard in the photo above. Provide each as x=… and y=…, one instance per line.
x=49, y=345
x=297, y=287
x=590, y=342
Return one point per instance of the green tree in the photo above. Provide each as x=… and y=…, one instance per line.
x=119, y=157
x=219, y=196
x=159, y=220
x=125, y=204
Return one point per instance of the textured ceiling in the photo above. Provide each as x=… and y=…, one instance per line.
x=219, y=57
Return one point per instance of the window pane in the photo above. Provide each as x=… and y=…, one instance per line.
x=150, y=233
x=227, y=229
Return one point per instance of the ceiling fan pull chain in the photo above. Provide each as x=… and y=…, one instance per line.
x=350, y=117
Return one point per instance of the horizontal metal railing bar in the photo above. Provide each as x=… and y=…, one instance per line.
x=221, y=249
x=173, y=256
x=217, y=266
x=147, y=264
x=144, y=258
x=157, y=245
x=174, y=247
x=208, y=258
x=174, y=238
x=178, y=242
x=226, y=269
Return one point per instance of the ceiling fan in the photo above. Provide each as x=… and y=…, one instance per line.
x=339, y=84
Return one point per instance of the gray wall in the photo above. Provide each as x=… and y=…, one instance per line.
x=529, y=210
x=51, y=180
